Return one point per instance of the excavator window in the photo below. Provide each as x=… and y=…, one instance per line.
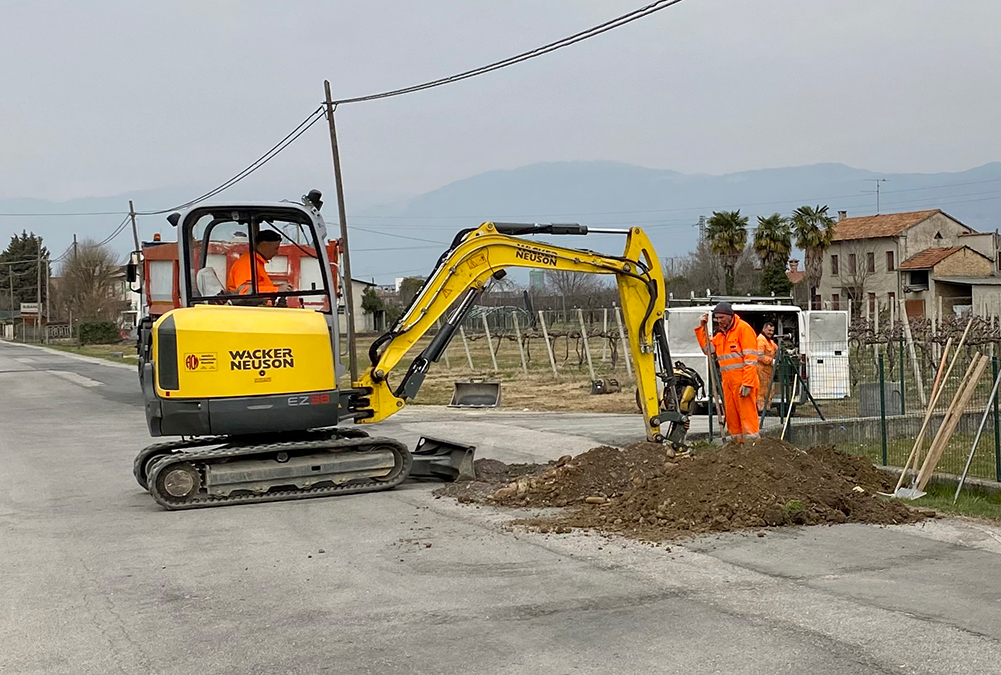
x=252, y=259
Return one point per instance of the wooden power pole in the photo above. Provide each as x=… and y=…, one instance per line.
x=349, y=305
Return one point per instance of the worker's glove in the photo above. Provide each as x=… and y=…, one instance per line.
x=745, y=390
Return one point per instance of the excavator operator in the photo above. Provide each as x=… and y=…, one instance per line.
x=239, y=278
x=735, y=346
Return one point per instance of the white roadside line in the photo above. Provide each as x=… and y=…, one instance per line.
x=70, y=355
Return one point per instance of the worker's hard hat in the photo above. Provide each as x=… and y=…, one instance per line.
x=723, y=308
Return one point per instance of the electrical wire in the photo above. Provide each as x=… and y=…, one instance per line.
x=289, y=138
x=399, y=236
x=593, y=31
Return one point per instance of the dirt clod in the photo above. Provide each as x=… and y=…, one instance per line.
x=636, y=493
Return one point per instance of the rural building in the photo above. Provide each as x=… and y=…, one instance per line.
x=928, y=259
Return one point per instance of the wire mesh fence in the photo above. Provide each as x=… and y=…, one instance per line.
x=873, y=399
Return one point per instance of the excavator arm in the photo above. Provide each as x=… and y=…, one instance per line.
x=461, y=276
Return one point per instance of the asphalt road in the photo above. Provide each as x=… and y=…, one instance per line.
x=97, y=579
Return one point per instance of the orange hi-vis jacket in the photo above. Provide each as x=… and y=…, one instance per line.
x=239, y=275
x=736, y=353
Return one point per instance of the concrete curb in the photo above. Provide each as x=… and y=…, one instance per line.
x=79, y=357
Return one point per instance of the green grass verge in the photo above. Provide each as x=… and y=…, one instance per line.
x=972, y=503
x=106, y=352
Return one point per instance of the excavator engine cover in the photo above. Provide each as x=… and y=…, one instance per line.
x=475, y=393
x=239, y=370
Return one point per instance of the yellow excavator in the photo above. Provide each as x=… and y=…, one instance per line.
x=248, y=378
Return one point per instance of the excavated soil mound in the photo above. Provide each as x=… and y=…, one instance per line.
x=642, y=493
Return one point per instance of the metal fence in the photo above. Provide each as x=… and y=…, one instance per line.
x=874, y=399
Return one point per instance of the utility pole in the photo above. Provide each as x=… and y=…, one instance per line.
x=74, y=246
x=38, y=296
x=48, y=296
x=139, y=268
x=877, y=181
x=349, y=314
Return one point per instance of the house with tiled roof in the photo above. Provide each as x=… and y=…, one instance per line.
x=918, y=257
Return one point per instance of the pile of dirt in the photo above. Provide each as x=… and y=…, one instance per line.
x=643, y=493
x=490, y=476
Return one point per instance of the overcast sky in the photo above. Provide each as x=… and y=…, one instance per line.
x=104, y=97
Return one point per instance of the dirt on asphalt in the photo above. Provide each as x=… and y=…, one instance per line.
x=643, y=493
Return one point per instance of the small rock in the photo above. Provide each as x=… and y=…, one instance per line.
x=595, y=500
x=669, y=452
x=427, y=545
x=563, y=460
x=309, y=556
x=322, y=551
x=761, y=534
x=638, y=482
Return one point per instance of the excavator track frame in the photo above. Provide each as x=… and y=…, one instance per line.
x=200, y=459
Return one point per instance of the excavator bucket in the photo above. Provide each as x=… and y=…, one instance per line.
x=606, y=385
x=475, y=393
x=438, y=458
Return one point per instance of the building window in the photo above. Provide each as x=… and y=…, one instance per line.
x=836, y=301
x=870, y=262
x=889, y=262
x=834, y=264
x=872, y=303
x=919, y=278
x=852, y=263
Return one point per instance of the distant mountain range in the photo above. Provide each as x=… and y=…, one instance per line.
x=392, y=237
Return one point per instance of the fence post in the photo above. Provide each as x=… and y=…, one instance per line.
x=903, y=386
x=625, y=342
x=490, y=342
x=549, y=346
x=882, y=408
x=997, y=426
x=517, y=336
x=604, y=333
x=587, y=346
x=465, y=345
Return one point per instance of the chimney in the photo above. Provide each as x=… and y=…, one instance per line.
x=793, y=265
x=842, y=215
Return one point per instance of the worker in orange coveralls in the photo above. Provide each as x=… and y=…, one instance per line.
x=766, y=362
x=736, y=347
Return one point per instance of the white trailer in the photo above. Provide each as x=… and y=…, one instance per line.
x=819, y=337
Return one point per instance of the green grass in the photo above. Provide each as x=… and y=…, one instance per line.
x=127, y=349
x=972, y=503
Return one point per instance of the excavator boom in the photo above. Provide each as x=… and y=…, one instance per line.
x=462, y=274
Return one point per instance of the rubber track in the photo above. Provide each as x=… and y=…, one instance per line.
x=170, y=447
x=333, y=445
x=167, y=448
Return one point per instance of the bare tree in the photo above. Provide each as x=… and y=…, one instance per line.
x=88, y=284
x=577, y=289
x=855, y=270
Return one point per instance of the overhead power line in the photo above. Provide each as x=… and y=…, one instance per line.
x=622, y=20
x=290, y=138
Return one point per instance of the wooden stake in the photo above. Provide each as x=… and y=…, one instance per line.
x=587, y=347
x=465, y=345
x=490, y=343
x=517, y=336
x=953, y=416
x=625, y=342
x=936, y=390
x=549, y=346
x=914, y=360
x=604, y=332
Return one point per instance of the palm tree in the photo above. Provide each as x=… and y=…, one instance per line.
x=726, y=232
x=814, y=231
x=773, y=240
